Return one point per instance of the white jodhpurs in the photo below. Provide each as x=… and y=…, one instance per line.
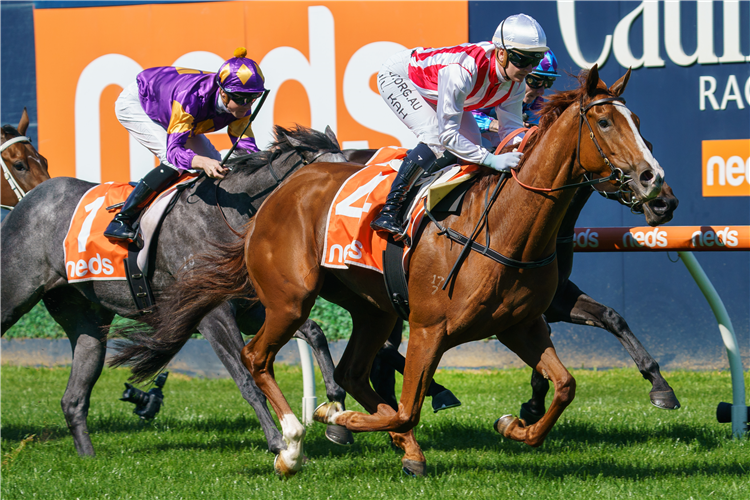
x=150, y=133
x=402, y=97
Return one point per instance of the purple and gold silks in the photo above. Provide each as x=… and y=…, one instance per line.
x=184, y=102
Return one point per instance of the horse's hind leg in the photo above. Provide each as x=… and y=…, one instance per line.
x=82, y=321
x=578, y=308
x=221, y=330
x=535, y=348
x=283, y=317
x=311, y=333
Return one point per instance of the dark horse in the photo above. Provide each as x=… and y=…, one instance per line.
x=33, y=268
x=286, y=240
x=23, y=166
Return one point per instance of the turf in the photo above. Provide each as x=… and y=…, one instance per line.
x=207, y=443
x=38, y=323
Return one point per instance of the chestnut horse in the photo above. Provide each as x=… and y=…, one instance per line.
x=23, y=166
x=483, y=299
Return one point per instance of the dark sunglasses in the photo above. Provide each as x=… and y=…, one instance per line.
x=243, y=99
x=523, y=60
x=537, y=82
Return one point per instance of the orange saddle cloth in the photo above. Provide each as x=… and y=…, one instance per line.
x=349, y=239
x=89, y=255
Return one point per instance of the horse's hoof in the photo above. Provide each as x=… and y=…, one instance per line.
x=528, y=415
x=325, y=412
x=444, y=400
x=502, y=424
x=282, y=469
x=413, y=468
x=339, y=435
x=664, y=399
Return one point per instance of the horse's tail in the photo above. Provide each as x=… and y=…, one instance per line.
x=200, y=288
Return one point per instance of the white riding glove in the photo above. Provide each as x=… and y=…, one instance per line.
x=502, y=163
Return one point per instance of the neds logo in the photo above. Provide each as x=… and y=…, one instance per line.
x=725, y=237
x=586, y=239
x=95, y=265
x=651, y=239
x=726, y=168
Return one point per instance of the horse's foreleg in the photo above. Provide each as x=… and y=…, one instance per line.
x=221, y=330
x=422, y=359
x=583, y=310
x=82, y=322
x=311, y=333
x=535, y=348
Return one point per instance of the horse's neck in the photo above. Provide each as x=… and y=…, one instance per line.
x=525, y=223
x=581, y=196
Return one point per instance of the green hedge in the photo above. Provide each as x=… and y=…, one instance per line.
x=37, y=323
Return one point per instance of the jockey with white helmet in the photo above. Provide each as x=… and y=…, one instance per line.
x=433, y=92
x=168, y=110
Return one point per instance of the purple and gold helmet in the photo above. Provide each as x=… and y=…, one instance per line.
x=240, y=75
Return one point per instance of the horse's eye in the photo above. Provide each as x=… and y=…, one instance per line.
x=603, y=123
x=20, y=166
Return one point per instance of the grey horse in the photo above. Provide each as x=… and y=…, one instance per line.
x=33, y=269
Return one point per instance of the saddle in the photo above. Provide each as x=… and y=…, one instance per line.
x=394, y=271
x=90, y=256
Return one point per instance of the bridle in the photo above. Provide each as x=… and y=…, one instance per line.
x=17, y=189
x=615, y=175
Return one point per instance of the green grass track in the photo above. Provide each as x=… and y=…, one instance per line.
x=207, y=444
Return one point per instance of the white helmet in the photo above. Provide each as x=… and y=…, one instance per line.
x=520, y=32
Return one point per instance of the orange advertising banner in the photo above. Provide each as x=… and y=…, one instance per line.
x=726, y=167
x=320, y=60
x=684, y=238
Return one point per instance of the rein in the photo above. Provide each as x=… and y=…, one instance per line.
x=17, y=189
x=274, y=156
x=469, y=243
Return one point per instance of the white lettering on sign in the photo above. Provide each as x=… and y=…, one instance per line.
x=586, y=239
x=724, y=237
x=619, y=41
x=651, y=239
x=707, y=92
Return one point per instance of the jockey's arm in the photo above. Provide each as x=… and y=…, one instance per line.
x=454, y=85
x=509, y=115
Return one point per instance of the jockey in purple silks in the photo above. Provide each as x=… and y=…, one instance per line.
x=168, y=110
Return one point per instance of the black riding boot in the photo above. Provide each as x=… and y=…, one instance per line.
x=417, y=161
x=145, y=191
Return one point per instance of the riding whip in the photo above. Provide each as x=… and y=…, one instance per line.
x=252, y=117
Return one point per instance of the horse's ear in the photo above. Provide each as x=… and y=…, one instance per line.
x=592, y=81
x=293, y=142
x=24, y=123
x=618, y=87
x=332, y=136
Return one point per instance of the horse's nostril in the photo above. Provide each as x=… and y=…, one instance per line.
x=658, y=206
x=646, y=177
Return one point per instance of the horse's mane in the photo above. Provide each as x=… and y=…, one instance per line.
x=551, y=110
x=309, y=138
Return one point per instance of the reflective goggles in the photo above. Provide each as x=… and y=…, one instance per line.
x=537, y=82
x=242, y=98
x=524, y=59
